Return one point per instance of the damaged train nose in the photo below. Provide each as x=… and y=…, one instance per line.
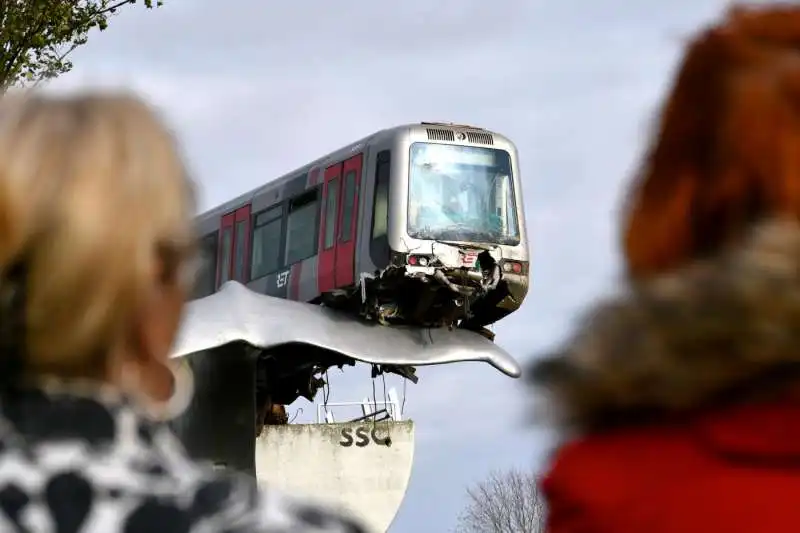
x=475, y=273
x=449, y=285
x=464, y=270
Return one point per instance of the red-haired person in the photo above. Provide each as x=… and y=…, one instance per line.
x=679, y=398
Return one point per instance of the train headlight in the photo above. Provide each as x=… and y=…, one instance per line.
x=419, y=260
x=512, y=266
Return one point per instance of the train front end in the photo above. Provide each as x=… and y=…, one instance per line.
x=459, y=252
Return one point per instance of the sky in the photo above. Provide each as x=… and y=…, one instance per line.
x=255, y=89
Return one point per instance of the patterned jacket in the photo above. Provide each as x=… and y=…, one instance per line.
x=74, y=461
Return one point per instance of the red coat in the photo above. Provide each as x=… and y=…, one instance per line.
x=734, y=471
x=703, y=348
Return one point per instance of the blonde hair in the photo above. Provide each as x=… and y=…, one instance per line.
x=90, y=186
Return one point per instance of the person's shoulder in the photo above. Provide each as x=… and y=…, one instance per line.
x=590, y=475
x=621, y=460
x=238, y=504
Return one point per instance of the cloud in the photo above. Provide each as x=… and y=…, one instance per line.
x=256, y=89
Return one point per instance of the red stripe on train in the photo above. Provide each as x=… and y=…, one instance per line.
x=315, y=179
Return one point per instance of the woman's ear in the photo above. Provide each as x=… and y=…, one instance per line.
x=155, y=325
x=152, y=334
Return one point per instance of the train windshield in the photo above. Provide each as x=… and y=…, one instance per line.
x=461, y=193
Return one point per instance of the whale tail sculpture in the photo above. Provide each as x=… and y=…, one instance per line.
x=253, y=354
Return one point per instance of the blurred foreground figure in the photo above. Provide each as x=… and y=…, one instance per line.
x=96, y=260
x=681, y=395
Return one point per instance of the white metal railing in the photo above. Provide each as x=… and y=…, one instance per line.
x=369, y=408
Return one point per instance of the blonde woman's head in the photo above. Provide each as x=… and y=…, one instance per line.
x=95, y=233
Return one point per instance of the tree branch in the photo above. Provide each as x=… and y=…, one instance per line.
x=109, y=9
x=43, y=76
x=505, y=502
x=23, y=46
x=37, y=36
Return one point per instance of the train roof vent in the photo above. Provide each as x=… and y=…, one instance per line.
x=479, y=137
x=436, y=134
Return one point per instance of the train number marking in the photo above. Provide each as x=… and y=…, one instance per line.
x=468, y=259
x=282, y=278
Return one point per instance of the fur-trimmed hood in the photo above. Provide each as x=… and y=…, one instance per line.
x=720, y=329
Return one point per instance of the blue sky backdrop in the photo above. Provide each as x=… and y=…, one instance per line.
x=256, y=89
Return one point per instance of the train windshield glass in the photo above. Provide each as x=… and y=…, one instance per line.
x=461, y=193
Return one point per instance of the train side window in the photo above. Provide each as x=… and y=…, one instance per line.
x=379, y=250
x=380, y=215
x=331, y=210
x=301, y=227
x=207, y=276
x=267, y=232
x=227, y=245
x=348, y=206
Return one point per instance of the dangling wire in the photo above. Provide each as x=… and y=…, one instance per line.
x=403, y=404
x=326, y=390
x=374, y=401
x=385, y=396
x=296, y=414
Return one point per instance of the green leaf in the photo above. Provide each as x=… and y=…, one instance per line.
x=38, y=35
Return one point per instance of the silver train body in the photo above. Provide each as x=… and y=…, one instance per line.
x=421, y=224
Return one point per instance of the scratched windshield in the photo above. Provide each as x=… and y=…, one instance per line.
x=461, y=193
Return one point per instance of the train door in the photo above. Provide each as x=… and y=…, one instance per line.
x=348, y=222
x=234, y=246
x=329, y=228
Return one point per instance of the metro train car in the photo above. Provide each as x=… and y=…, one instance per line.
x=421, y=225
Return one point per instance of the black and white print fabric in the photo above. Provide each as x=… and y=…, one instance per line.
x=72, y=462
